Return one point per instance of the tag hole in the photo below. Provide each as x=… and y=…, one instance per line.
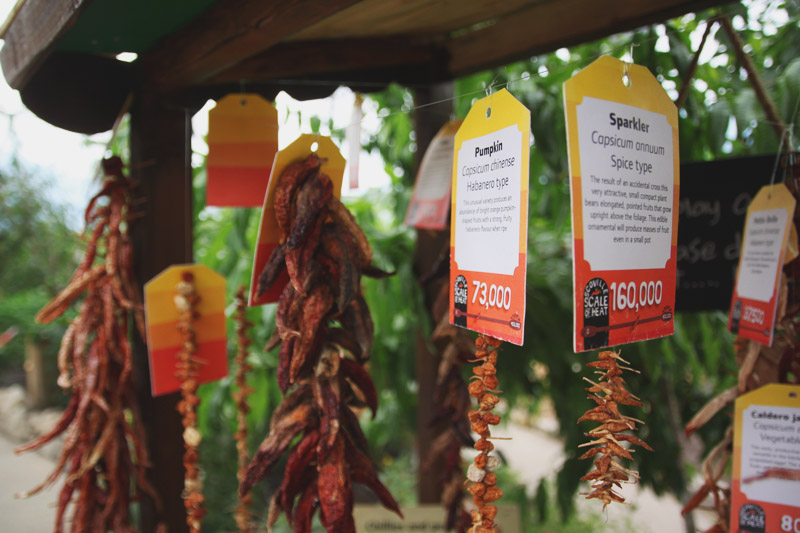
x=488, y=112
x=626, y=80
x=792, y=395
x=314, y=146
x=243, y=101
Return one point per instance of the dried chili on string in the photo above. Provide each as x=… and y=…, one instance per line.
x=607, y=438
x=187, y=300
x=240, y=395
x=104, y=455
x=483, y=485
x=321, y=368
x=453, y=403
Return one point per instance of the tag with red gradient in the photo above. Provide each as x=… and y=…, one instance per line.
x=624, y=183
x=766, y=235
x=489, y=218
x=163, y=338
x=268, y=232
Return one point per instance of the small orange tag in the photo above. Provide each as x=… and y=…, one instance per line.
x=164, y=339
x=430, y=201
x=268, y=232
x=624, y=174
x=489, y=218
x=242, y=142
x=766, y=234
x=766, y=460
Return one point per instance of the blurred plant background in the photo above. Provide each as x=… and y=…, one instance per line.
x=720, y=118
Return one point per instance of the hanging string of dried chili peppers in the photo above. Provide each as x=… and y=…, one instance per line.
x=240, y=395
x=608, y=393
x=481, y=473
x=187, y=300
x=453, y=403
x=104, y=454
x=320, y=365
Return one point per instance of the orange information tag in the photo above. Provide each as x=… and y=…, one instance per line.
x=765, y=490
x=268, y=232
x=430, y=201
x=624, y=175
x=489, y=218
x=242, y=141
x=163, y=338
x=766, y=234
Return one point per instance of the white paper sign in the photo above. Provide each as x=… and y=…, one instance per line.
x=627, y=185
x=488, y=210
x=761, y=254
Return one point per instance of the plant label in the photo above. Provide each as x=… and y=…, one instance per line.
x=765, y=489
x=489, y=218
x=766, y=234
x=242, y=141
x=430, y=202
x=163, y=338
x=268, y=232
x=622, y=140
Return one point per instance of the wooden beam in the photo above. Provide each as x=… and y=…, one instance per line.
x=427, y=121
x=551, y=24
x=310, y=58
x=32, y=34
x=162, y=237
x=229, y=32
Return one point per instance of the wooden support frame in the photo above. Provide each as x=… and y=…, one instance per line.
x=229, y=32
x=162, y=237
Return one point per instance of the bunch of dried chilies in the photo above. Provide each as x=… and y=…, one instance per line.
x=608, y=438
x=240, y=395
x=188, y=365
x=321, y=364
x=484, y=487
x=758, y=366
x=104, y=455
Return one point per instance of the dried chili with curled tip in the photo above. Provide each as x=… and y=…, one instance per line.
x=187, y=300
x=483, y=480
x=609, y=393
x=320, y=366
x=104, y=455
x=240, y=395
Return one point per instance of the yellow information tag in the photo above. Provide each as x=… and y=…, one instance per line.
x=489, y=218
x=765, y=490
x=163, y=338
x=764, y=245
x=242, y=142
x=268, y=232
x=622, y=137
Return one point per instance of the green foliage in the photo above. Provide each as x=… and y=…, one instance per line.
x=37, y=247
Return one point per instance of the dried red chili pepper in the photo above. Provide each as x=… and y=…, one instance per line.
x=104, y=455
x=320, y=366
x=483, y=488
x=608, y=393
x=240, y=395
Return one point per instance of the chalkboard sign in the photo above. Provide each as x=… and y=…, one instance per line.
x=714, y=197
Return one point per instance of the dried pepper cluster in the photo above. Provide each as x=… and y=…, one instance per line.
x=104, y=452
x=320, y=365
x=758, y=366
x=240, y=395
x=481, y=473
x=187, y=300
x=609, y=393
x=453, y=405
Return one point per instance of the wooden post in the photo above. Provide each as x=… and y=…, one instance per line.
x=35, y=380
x=427, y=122
x=162, y=237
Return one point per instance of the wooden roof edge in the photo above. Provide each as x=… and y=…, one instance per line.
x=468, y=55
x=229, y=32
x=31, y=35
